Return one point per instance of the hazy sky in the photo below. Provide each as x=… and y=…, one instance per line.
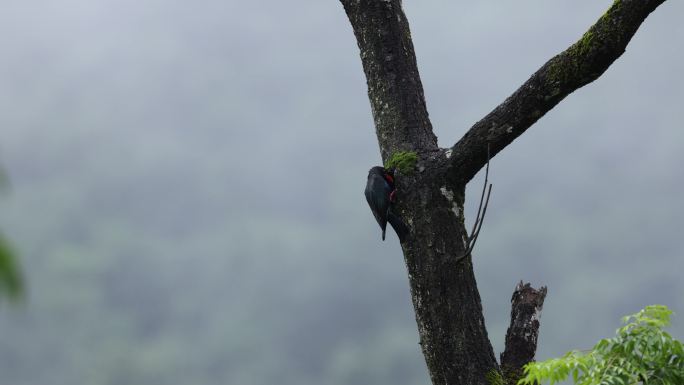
x=252, y=119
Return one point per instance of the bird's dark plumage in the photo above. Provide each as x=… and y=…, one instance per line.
x=379, y=193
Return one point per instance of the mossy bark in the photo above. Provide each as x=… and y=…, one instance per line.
x=403, y=161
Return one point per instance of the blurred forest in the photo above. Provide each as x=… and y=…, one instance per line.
x=187, y=188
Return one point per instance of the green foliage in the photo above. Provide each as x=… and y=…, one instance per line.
x=641, y=353
x=404, y=161
x=10, y=280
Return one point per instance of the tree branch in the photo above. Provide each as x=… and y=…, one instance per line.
x=394, y=87
x=521, y=337
x=577, y=66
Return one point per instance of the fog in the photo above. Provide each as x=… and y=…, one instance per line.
x=186, y=187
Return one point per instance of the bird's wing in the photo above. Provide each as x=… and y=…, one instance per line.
x=377, y=198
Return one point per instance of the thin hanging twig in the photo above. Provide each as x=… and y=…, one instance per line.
x=484, y=188
x=481, y=211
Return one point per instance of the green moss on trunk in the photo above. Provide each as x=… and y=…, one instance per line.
x=404, y=161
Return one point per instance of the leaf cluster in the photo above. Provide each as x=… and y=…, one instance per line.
x=640, y=353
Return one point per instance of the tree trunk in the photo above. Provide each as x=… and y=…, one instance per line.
x=445, y=296
x=431, y=190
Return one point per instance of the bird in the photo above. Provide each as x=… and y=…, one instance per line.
x=381, y=195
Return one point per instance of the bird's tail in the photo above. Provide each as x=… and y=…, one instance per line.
x=399, y=226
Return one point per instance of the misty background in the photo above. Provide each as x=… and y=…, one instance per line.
x=187, y=187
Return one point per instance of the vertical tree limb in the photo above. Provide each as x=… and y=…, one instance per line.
x=394, y=87
x=521, y=337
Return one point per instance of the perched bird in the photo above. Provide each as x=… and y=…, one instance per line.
x=381, y=194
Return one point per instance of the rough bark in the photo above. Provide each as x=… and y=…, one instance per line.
x=447, y=304
x=431, y=192
x=521, y=337
x=394, y=87
x=445, y=297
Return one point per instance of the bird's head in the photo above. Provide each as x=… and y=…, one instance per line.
x=386, y=174
x=377, y=170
